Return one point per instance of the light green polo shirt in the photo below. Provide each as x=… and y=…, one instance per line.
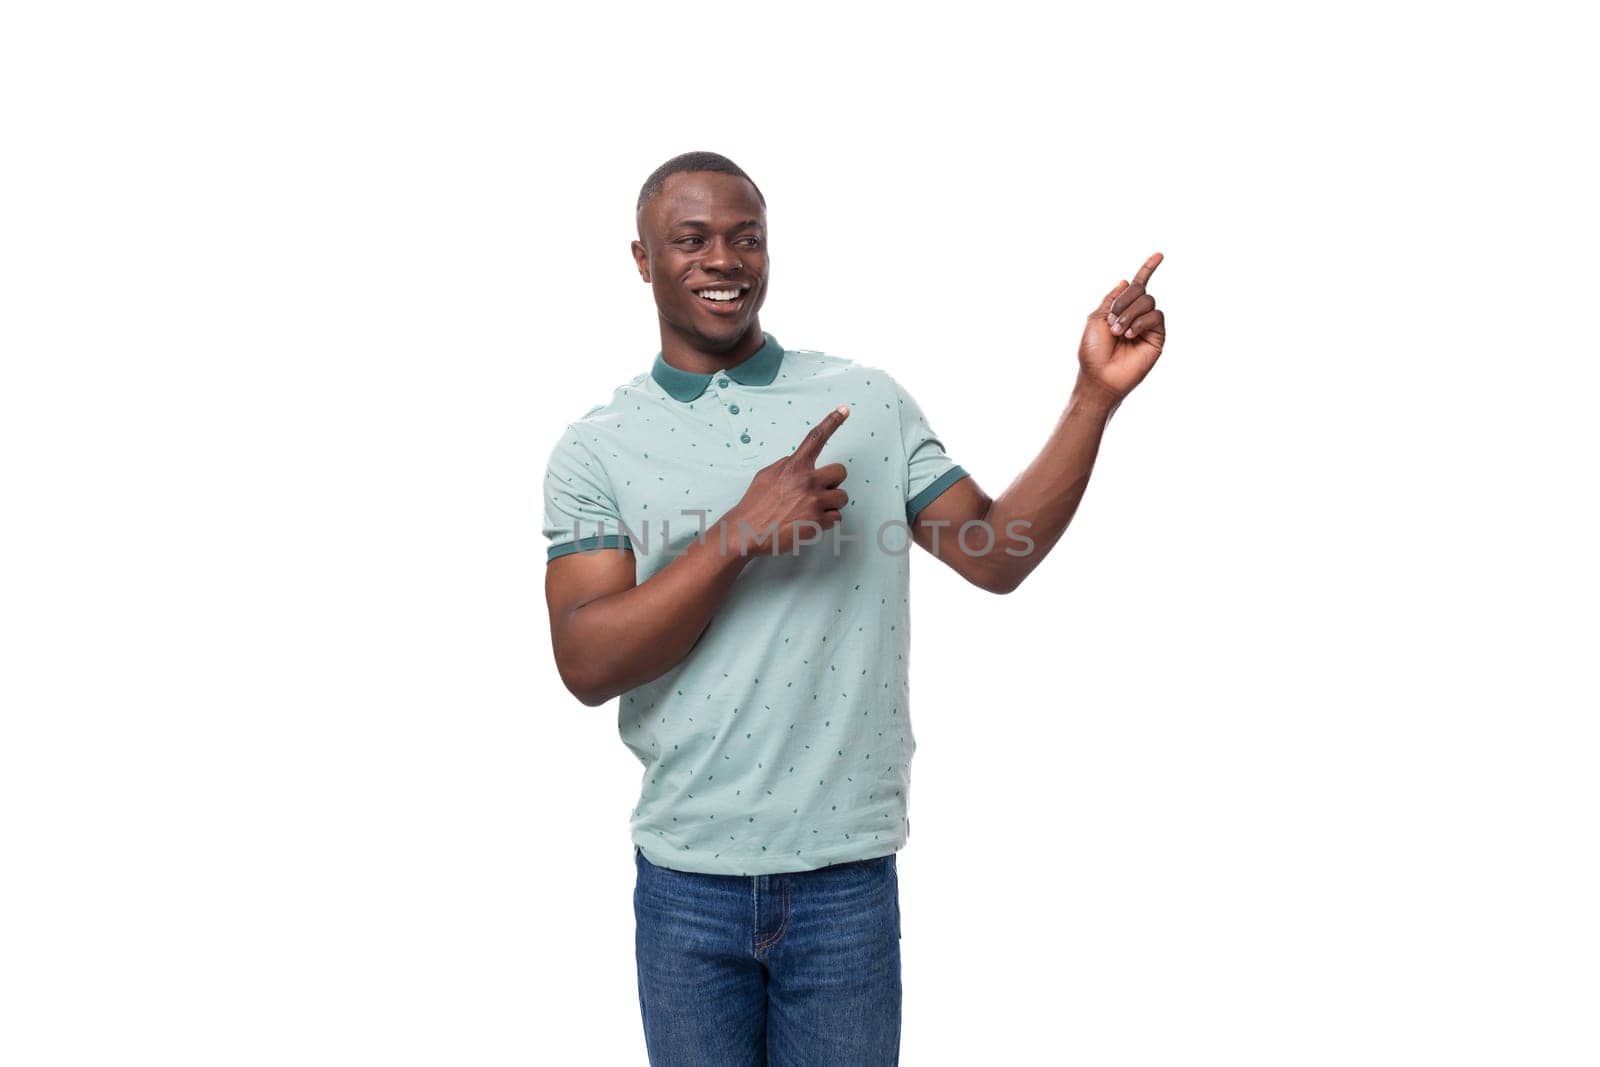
x=783, y=741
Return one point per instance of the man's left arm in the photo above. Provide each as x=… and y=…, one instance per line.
x=1122, y=340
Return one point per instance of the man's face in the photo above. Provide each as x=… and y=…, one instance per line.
x=703, y=249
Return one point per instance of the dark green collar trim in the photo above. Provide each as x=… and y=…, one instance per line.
x=682, y=385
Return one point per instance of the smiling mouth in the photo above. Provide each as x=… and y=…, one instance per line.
x=728, y=297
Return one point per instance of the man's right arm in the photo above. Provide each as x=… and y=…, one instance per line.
x=612, y=634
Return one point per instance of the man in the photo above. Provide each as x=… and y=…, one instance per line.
x=729, y=541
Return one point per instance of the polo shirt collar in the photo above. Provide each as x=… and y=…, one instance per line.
x=759, y=369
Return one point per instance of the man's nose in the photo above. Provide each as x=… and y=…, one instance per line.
x=720, y=256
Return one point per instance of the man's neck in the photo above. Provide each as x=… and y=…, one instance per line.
x=684, y=354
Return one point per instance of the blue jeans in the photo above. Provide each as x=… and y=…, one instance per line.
x=787, y=970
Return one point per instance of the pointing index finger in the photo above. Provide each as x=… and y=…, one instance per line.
x=811, y=445
x=1148, y=269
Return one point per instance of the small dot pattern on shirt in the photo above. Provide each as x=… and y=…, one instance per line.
x=783, y=741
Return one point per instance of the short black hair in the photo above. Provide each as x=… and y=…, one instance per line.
x=692, y=161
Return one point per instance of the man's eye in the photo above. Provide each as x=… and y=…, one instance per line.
x=690, y=240
x=750, y=242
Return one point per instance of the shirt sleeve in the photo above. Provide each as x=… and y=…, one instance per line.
x=580, y=510
x=929, y=470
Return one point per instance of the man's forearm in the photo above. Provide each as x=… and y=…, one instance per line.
x=1040, y=503
x=618, y=640
x=622, y=640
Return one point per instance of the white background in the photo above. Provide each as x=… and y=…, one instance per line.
x=1286, y=756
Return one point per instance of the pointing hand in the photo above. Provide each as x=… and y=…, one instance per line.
x=792, y=497
x=1124, y=335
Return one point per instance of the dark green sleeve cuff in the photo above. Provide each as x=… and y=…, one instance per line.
x=915, y=505
x=589, y=544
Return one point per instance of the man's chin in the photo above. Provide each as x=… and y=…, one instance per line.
x=719, y=337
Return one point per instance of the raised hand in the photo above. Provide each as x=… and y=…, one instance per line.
x=1124, y=335
x=791, y=498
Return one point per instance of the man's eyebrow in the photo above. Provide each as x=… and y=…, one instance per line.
x=702, y=224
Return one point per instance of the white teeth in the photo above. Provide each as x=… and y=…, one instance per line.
x=721, y=294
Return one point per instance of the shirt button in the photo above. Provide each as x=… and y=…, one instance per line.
x=733, y=409
x=745, y=438
x=722, y=383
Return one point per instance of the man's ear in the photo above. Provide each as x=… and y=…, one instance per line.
x=641, y=259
